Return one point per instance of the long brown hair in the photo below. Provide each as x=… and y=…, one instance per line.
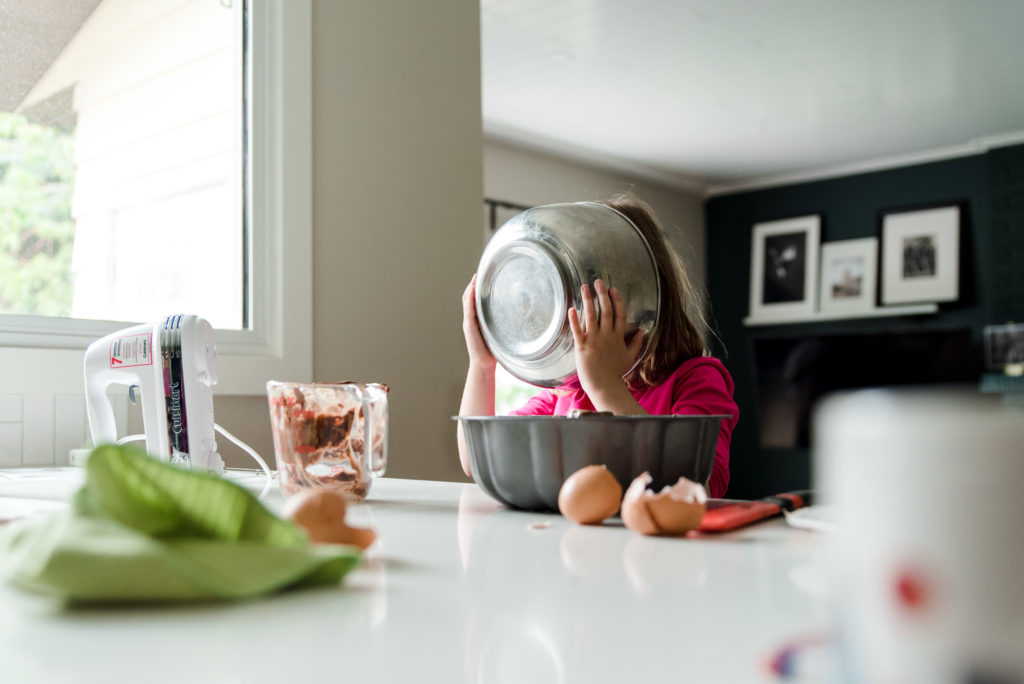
x=682, y=329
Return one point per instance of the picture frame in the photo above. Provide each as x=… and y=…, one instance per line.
x=849, y=276
x=920, y=255
x=497, y=212
x=784, y=267
x=1004, y=346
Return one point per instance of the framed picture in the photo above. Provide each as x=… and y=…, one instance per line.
x=784, y=267
x=921, y=255
x=849, y=275
x=497, y=212
x=1004, y=346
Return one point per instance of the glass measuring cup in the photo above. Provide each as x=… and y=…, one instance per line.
x=332, y=435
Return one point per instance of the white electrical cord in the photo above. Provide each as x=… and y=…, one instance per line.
x=252, y=452
x=237, y=442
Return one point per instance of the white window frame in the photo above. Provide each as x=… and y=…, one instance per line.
x=45, y=355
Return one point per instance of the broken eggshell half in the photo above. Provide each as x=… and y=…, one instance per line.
x=674, y=510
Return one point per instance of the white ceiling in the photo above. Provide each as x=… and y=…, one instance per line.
x=717, y=94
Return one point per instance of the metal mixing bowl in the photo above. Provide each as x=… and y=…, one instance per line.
x=522, y=461
x=531, y=271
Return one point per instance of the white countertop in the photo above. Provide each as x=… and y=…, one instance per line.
x=456, y=589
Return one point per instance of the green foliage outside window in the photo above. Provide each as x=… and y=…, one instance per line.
x=37, y=174
x=510, y=393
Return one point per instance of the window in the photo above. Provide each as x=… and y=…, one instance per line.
x=151, y=154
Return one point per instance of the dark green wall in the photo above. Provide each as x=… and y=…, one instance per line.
x=991, y=186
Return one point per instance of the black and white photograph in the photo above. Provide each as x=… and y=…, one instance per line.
x=921, y=255
x=848, y=275
x=918, y=256
x=784, y=267
x=784, y=264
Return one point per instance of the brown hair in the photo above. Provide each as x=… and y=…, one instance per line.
x=682, y=329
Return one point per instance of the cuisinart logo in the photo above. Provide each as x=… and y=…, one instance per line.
x=175, y=408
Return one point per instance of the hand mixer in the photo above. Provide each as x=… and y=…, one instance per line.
x=173, y=365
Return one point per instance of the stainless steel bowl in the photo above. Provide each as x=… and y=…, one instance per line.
x=522, y=461
x=531, y=271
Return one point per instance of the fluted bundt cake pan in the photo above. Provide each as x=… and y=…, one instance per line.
x=522, y=461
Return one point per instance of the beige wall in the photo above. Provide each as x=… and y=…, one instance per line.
x=522, y=176
x=397, y=186
x=399, y=172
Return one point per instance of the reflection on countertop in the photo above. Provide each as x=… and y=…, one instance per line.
x=460, y=589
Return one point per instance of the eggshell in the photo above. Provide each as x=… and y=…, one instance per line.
x=635, y=515
x=674, y=510
x=674, y=515
x=321, y=512
x=590, y=495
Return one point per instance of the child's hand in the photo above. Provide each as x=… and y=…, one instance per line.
x=602, y=354
x=479, y=355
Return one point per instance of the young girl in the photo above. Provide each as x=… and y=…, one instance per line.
x=676, y=377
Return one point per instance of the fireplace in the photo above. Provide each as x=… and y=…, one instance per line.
x=792, y=374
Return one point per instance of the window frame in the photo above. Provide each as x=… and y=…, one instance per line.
x=39, y=354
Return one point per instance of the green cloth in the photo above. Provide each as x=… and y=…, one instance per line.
x=143, y=530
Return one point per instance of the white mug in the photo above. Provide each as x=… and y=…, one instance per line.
x=927, y=562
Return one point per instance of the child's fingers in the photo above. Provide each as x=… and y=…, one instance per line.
x=469, y=299
x=589, y=312
x=607, y=316
x=619, y=309
x=574, y=326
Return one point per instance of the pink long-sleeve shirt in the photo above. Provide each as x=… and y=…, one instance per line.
x=701, y=386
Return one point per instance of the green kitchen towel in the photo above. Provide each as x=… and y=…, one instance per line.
x=143, y=530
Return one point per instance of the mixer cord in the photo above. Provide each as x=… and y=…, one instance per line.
x=234, y=440
x=252, y=452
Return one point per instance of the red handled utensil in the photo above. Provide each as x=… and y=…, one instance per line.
x=723, y=515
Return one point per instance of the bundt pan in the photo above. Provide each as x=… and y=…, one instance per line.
x=522, y=461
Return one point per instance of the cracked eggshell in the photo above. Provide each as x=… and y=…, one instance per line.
x=635, y=515
x=674, y=510
x=321, y=513
x=590, y=495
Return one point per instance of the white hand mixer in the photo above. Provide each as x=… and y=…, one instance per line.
x=173, y=366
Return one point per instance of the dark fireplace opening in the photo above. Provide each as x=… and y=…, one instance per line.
x=793, y=373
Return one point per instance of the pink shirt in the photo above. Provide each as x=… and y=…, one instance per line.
x=701, y=386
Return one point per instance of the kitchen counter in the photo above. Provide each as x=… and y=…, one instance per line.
x=456, y=589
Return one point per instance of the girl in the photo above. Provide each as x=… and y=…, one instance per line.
x=676, y=377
